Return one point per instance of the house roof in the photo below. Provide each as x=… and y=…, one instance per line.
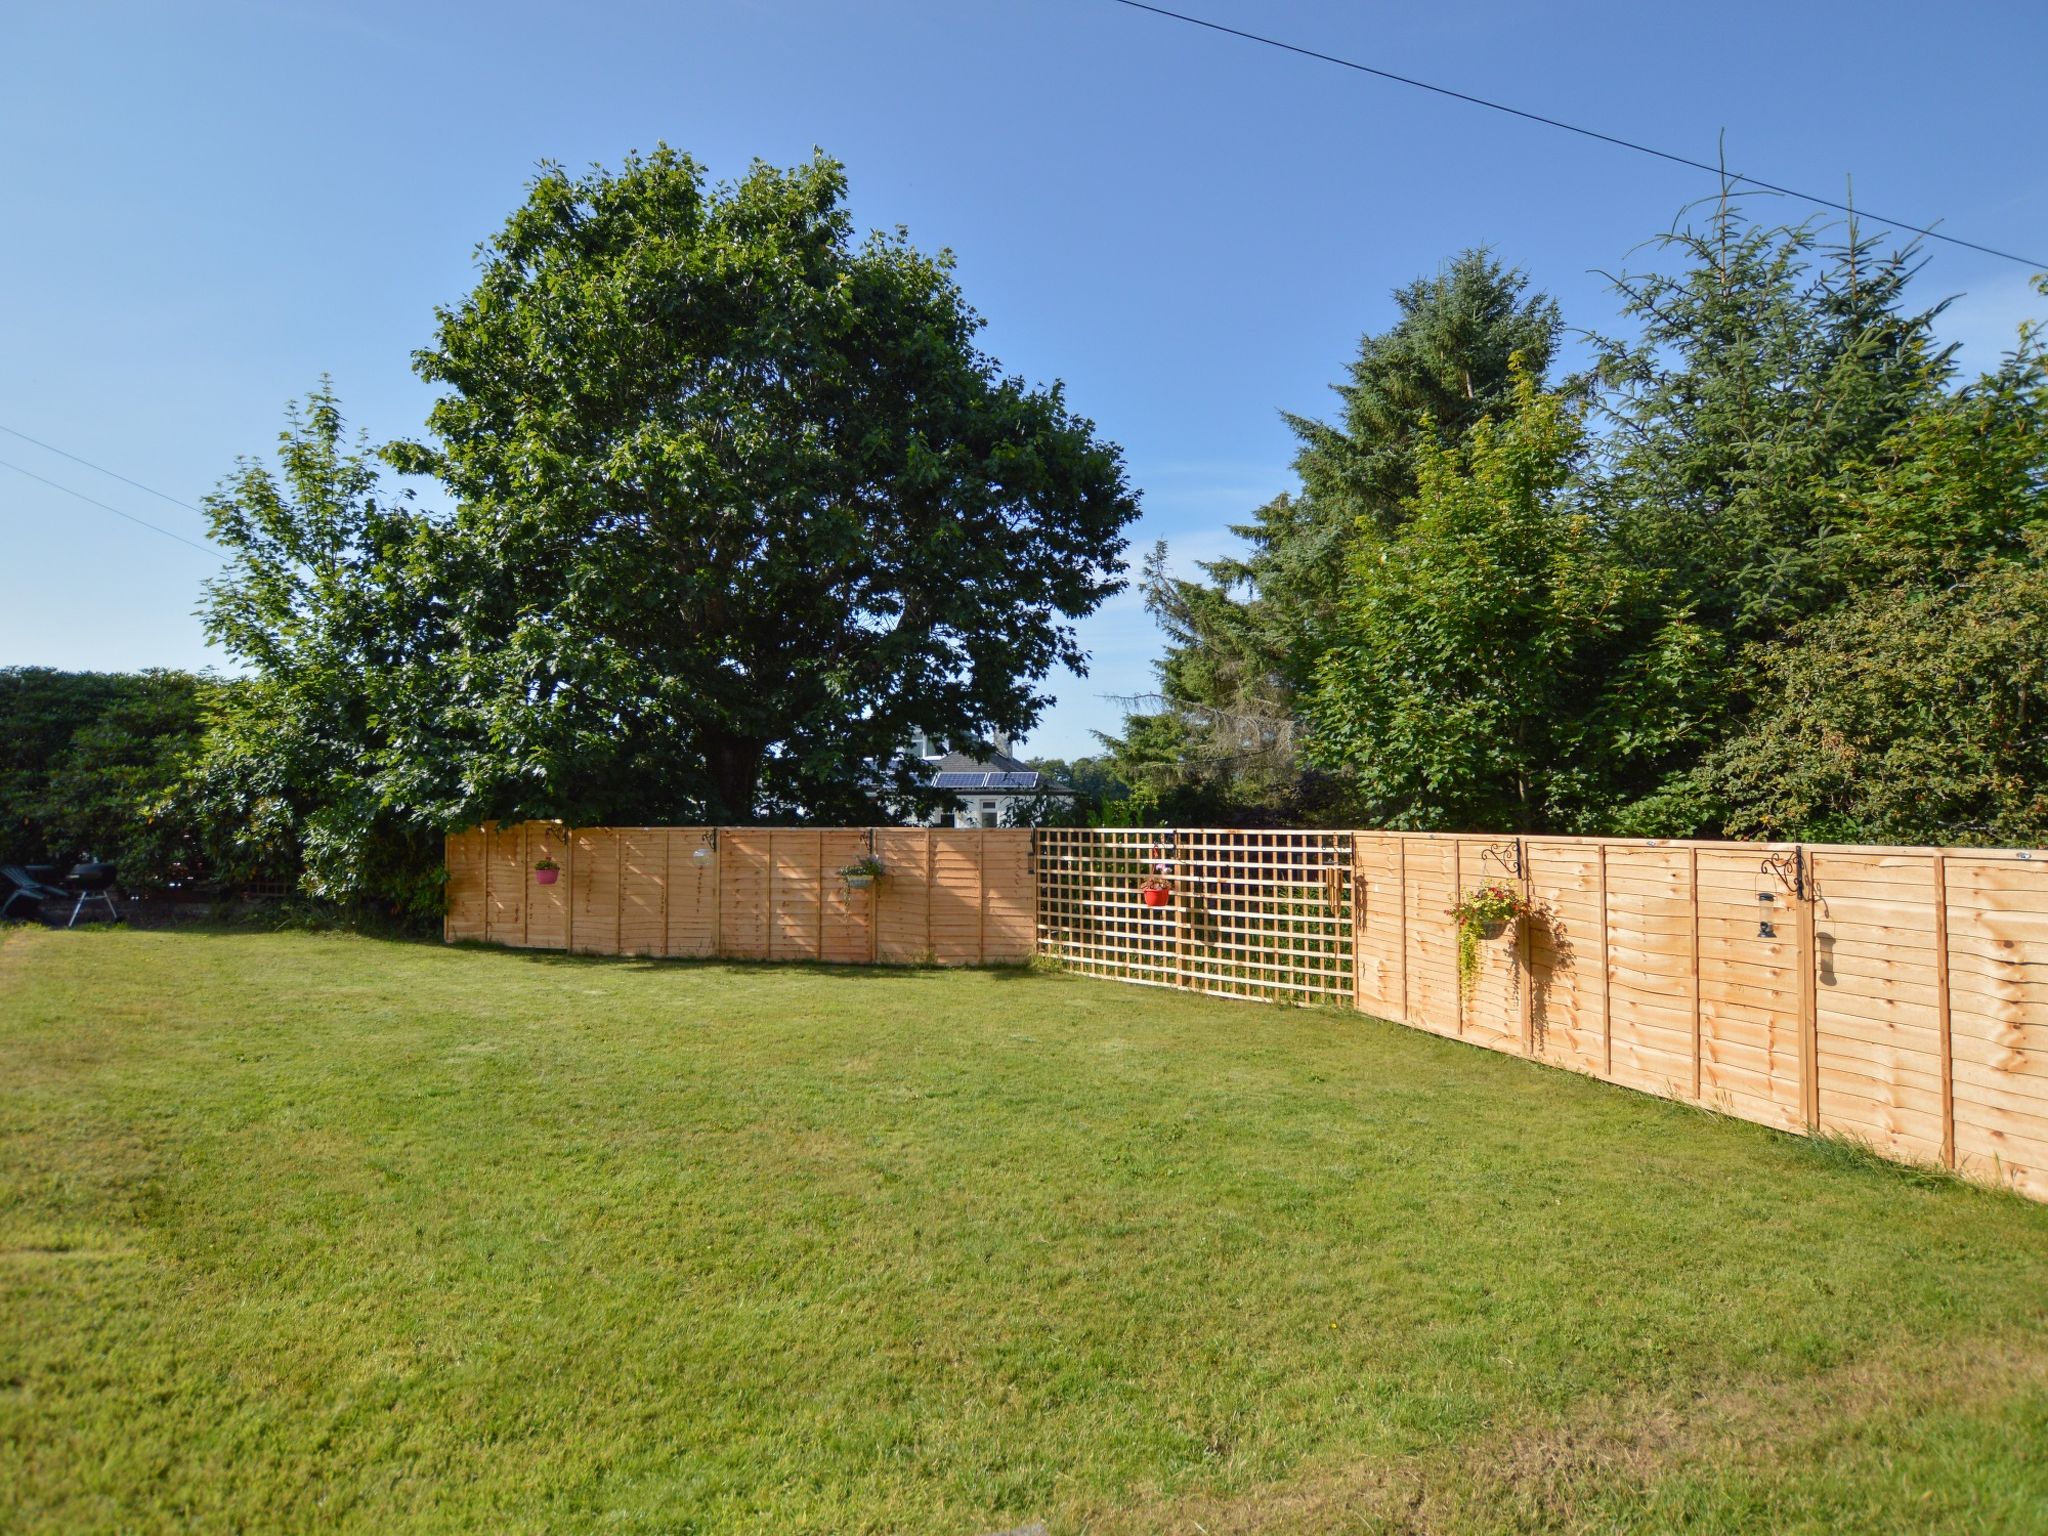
x=998, y=773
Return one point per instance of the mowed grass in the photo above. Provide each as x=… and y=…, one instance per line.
x=321, y=1233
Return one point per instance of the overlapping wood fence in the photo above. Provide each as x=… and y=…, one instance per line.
x=1898, y=996
x=951, y=897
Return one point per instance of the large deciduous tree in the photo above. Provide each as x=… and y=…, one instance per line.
x=740, y=504
x=330, y=760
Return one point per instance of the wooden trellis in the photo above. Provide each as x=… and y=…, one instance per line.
x=1248, y=914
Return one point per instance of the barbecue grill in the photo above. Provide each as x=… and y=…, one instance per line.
x=94, y=882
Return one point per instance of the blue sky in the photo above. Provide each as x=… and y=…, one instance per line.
x=210, y=205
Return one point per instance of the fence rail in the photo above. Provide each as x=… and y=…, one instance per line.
x=1898, y=996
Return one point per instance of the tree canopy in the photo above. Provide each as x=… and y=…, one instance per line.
x=1767, y=569
x=739, y=503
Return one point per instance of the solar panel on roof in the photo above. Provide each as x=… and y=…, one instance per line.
x=1015, y=780
x=958, y=780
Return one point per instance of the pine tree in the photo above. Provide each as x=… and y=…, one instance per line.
x=1244, y=644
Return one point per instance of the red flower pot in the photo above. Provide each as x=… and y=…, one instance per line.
x=1155, y=896
x=545, y=876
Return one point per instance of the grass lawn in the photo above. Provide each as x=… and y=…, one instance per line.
x=312, y=1232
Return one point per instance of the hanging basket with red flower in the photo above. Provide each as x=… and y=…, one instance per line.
x=1483, y=914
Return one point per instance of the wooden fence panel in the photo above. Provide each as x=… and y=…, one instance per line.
x=1247, y=914
x=796, y=898
x=956, y=896
x=643, y=891
x=903, y=897
x=1492, y=1013
x=1009, y=889
x=1431, y=961
x=594, y=890
x=547, y=906
x=1749, y=988
x=692, y=889
x=507, y=878
x=745, y=874
x=1651, y=989
x=1378, y=916
x=1567, y=1005
x=464, y=856
x=846, y=923
x=1877, y=1027
x=1997, y=995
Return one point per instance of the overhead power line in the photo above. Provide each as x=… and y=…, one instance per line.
x=130, y=516
x=98, y=468
x=1588, y=133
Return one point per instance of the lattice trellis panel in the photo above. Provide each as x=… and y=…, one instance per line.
x=1263, y=915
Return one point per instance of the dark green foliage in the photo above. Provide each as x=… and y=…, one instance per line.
x=1912, y=710
x=1501, y=666
x=329, y=762
x=1766, y=371
x=1244, y=645
x=94, y=764
x=1787, y=584
x=740, y=504
x=1906, y=716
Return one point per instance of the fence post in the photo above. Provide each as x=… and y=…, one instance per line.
x=1693, y=933
x=569, y=881
x=1948, y=1061
x=1401, y=842
x=1357, y=910
x=1606, y=979
x=1809, y=991
x=1525, y=950
x=526, y=862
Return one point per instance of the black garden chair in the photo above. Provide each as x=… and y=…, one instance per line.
x=24, y=894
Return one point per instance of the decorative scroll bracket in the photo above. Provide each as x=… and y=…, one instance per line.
x=1507, y=855
x=1790, y=870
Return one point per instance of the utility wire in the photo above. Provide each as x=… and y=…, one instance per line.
x=100, y=468
x=1589, y=133
x=131, y=517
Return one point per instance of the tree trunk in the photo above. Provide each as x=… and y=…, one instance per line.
x=734, y=765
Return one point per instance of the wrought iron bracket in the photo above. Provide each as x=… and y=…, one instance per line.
x=1790, y=870
x=1507, y=855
